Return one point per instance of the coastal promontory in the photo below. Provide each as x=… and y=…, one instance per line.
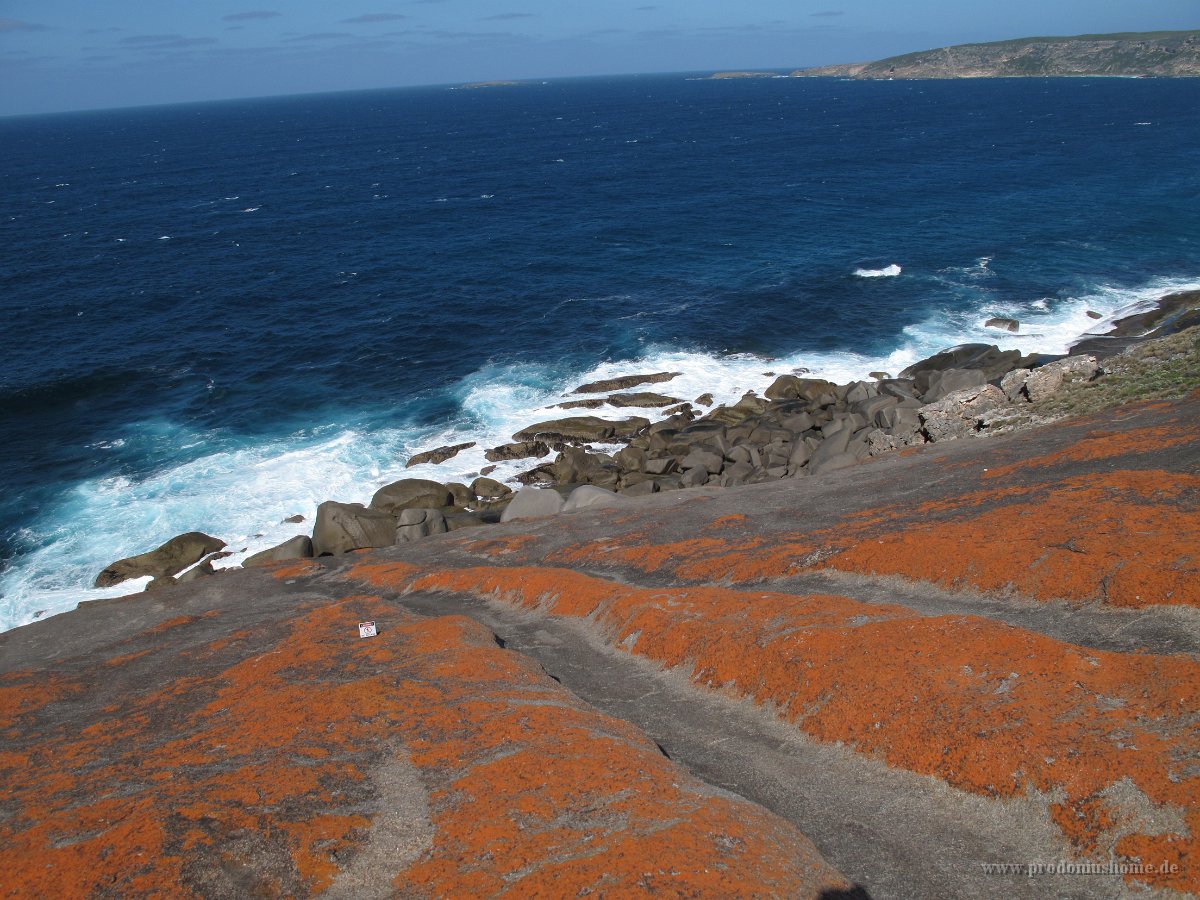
x=1131, y=54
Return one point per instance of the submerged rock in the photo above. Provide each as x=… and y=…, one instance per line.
x=171, y=558
x=582, y=428
x=642, y=399
x=1009, y=325
x=440, y=455
x=624, y=382
x=518, y=450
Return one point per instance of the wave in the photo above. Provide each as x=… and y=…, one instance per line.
x=242, y=494
x=886, y=272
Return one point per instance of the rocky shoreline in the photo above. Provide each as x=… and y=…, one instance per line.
x=801, y=427
x=971, y=668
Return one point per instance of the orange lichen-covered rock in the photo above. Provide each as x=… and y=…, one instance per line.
x=245, y=763
x=1124, y=538
x=987, y=707
x=1102, y=445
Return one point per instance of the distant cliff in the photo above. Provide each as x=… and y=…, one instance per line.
x=1156, y=53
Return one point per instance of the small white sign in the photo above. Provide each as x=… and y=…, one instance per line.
x=366, y=629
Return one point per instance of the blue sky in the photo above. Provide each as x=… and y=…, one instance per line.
x=83, y=54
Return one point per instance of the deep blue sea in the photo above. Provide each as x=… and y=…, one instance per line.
x=216, y=316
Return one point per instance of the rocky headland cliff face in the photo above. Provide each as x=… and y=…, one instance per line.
x=828, y=669
x=1156, y=54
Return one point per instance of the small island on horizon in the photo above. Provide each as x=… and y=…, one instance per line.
x=1153, y=54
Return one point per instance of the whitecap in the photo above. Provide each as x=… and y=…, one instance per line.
x=252, y=209
x=242, y=494
x=886, y=272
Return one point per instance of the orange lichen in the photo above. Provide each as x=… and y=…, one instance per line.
x=97, y=809
x=384, y=574
x=1174, y=859
x=257, y=766
x=1099, y=445
x=21, y=692
x=731, y=521
x=117, y=661
x=168, y=624
x=1125, y=538
x=501, y=546
x=542, y=796
x=293, y=569
x=989, y=708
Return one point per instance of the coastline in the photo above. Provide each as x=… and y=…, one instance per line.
x=896, y=679
x=800, y=427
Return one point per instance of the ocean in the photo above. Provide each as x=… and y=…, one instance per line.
x=216, y=316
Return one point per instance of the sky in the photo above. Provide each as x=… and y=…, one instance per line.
x=58, y=55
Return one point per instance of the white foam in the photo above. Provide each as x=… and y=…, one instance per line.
x=242, y=495
x=886, y=272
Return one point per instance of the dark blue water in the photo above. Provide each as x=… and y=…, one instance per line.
x=219, y=314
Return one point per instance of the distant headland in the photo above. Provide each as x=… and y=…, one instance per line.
x=1130, y=54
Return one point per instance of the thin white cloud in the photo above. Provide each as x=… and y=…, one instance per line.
x=370, y=18
x=251, y=15
x=165, y=41
x=322, y=36
x=7, y=25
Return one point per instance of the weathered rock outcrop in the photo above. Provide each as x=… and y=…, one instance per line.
x=582, y=428
x=342, y=527
x=489, y=489
x=439, y=455
x=624, y=382
x=518, y=450
x=171, y=558
x=667, y=699
x=299, y=547
x=414, y=524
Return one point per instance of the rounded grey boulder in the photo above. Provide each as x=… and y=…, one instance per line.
x=489, y=488
x=591, y=497
x=342, y=527
x=299, y=547
x=412, y=493
x=414, y=524
x=531, y=503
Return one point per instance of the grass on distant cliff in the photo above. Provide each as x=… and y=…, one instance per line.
x=1162, y=369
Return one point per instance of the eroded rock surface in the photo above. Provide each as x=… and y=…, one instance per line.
x=969, y=653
